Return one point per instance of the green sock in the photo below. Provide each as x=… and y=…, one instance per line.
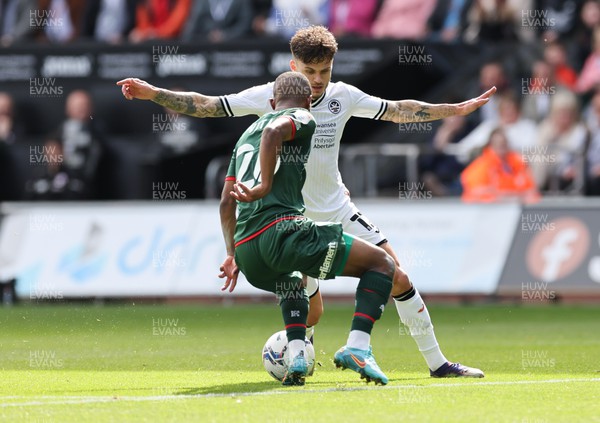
x=294, y=309
x=372, y=294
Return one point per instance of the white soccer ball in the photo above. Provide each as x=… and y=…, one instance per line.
x=275, y=353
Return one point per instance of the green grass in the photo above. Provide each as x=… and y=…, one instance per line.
x=111, y=363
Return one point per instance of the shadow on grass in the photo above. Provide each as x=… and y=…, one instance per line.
x=231, y=388
x=252, y=387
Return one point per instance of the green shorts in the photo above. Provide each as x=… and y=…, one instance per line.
x=275, y=260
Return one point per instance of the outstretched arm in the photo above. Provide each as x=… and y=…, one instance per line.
x=229, y=269
x=189, y=103
x=404, y=111
x=272, y=138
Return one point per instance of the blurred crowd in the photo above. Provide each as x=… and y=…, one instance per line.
x=540, y=134
x=471, y=21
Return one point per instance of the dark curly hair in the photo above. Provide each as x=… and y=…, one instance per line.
x=314, y=44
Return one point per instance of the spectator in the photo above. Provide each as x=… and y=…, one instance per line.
x=178, y=133
x=109, y=21
x=441, y=171
x=287, y=16
x=556, y=19
x=73, y=154
x=218, y=20
x=61, y=19
x=592, y=121
x=7, y=124
x=557, y=157
x=590, y=19
x=15, y=21
x=591, y=115
x=593, y=165
x=52, y=181
x=538, y=90
x=261, y=10
x=491, y=74
x=519, y=131
x=403, y=19
x=9, y=134
x=555, y=55
x=590, y=74
x=498, y=174
x=159, y=19
x=447, y=20
x=352, y=17
x=496, y=20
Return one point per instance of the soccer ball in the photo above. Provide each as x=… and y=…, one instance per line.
x=274, y=355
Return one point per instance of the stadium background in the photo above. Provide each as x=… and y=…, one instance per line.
x=85, y=237
x=109, y=230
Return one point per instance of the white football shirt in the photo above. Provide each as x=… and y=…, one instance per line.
x=324, y=191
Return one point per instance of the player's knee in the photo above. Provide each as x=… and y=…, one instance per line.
x=401, y=281
x=384, y=264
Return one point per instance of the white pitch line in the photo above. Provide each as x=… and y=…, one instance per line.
x=59, y=400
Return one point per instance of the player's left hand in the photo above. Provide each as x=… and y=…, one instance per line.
x=230, y=271
x=469, y=106
x=247, y=195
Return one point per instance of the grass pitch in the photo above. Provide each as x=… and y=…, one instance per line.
x=201, y=364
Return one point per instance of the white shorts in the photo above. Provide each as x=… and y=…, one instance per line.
x=312, y=286
x=354, y=223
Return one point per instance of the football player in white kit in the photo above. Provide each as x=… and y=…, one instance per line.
x=325, y=195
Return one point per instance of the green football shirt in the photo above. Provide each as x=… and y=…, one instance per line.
x=285, y=201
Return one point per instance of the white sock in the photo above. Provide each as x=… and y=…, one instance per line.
x=413, y=313
x=359, y=340
x=295, y=347
x=310, y=330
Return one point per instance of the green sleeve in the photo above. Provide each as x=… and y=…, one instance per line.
x=231, y=169
x=304, y=123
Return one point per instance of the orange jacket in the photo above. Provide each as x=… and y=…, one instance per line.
x=169, y=26
x=488, y=178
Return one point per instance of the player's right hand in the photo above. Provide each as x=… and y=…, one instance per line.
x=230, y=272
x=247, y=195
x=137, y=88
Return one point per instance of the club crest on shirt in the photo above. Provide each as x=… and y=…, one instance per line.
x=334, y=106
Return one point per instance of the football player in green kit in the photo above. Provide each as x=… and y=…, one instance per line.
x=272, y=243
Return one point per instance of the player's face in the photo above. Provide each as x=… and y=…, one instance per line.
x=318, y=74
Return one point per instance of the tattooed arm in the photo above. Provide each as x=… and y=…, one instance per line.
x=404, y=111
x=189, y=103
